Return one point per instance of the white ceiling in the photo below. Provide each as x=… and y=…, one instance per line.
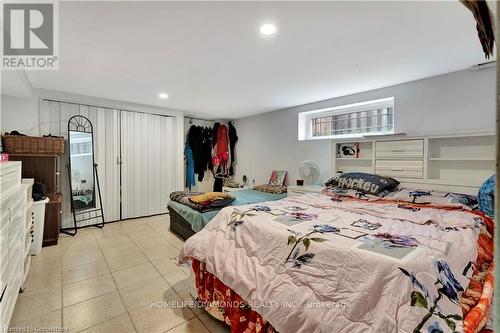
x=211, y=60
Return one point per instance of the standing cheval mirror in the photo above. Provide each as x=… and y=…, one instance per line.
x=82, y=173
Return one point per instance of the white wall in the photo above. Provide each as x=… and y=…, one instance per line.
x=19, y=113
x=451, y=103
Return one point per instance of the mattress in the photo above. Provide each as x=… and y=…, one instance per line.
x=199, y=220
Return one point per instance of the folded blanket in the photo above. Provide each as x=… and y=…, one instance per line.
x=277, y=189
x=207, y=206
x=209, y=197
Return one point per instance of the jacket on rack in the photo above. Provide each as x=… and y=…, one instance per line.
x=199, y=140
x=188, y=156
x=233, y=138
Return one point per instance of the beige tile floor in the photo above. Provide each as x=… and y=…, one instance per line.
x=107, y=280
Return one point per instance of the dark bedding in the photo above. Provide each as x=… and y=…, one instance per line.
x=182, y=197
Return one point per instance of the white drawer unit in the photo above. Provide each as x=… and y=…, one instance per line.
x=10, y=174
x=9, y=296
x=400, y=149
x=399, y=168
x=14, y=230
x=299, y=190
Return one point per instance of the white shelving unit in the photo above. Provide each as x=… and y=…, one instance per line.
x=461, y=161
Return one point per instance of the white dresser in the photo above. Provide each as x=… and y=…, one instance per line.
x=299, y=190
x=15, y=237
x=400, y=158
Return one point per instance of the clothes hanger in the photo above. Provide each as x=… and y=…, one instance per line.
x=222, y=174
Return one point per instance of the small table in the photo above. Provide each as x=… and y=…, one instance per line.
x=232, y=189
x=299, y=190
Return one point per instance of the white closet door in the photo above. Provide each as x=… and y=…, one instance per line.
x=107, y=152
x=54, y=118
x=147, y=163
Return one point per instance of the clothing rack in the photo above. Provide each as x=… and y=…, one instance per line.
x=199, y=119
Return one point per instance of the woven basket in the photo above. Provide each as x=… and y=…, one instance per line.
x=17, y=144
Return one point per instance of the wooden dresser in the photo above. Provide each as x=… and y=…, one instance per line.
x=44, y=169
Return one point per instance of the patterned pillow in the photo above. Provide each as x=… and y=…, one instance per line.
x=486, y=197
x=277, y=189
x=337, y=192
x=364, y=182
x=429, y=197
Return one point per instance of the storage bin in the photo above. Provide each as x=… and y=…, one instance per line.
x=18, y=144
x=38, y=211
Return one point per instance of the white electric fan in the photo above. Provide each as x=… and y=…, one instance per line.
x=309, y=172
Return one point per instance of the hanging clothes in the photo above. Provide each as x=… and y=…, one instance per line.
x=207, y=148
x=199, y=140
x=202, y=162
x=222, y=150
x=194, y=141
x=188, y=156
x=210, y=149
x=215, y=132
x=233, y=138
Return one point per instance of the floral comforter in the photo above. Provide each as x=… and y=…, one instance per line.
x=313, y=263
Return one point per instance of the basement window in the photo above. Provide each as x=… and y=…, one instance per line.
x=368, y=118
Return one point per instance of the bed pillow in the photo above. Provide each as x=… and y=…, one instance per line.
x=364, y=182
x=277, y=189
x=486, y=197
x=336, y=192
x=429, y=197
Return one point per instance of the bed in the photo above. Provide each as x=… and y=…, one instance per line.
x=312, y=264
x=83, y=199
x=185, y=221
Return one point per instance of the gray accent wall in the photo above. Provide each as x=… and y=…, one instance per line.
x=457, y=102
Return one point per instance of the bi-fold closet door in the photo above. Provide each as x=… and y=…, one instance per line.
x=134, y=154
x=147, y=163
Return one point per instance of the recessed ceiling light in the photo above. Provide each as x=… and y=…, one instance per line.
x=163, y=95
x=268, y=29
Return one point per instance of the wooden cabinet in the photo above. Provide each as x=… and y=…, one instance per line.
x=44, y=169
